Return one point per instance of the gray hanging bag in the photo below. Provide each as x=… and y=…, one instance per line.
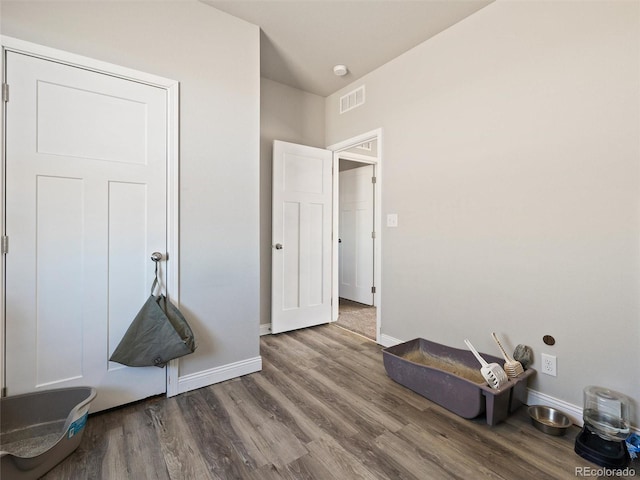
x=158, y=333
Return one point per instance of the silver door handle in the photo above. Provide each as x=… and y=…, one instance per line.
x=156, y=256
x=278, y=246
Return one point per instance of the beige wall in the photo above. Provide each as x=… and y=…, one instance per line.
x=290, y=115
x=215, y=57
x=511, y=156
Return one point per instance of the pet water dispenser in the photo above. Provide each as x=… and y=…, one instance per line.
x=607, y=418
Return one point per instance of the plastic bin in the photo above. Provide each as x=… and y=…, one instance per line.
x=38, y=430
x=455, y=393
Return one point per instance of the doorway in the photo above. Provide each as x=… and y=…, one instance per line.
x=357, y=273
x=300, y=180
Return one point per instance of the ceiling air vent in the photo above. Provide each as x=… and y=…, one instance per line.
x=352, y=100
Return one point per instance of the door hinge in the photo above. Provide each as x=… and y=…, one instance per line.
x=373, y=234
x=373, y=289
x=4, y=392
x=374, y=179
x=4, y=244
x=5, y=92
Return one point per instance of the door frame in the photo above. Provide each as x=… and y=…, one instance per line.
x=338, y=150
x=172, y=88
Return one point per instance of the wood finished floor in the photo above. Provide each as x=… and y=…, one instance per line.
x=322, y=408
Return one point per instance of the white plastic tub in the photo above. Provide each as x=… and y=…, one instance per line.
x=38, y=430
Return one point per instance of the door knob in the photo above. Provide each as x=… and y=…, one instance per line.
x=278, y=246
x=156, y=256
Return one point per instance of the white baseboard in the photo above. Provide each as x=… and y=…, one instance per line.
x=387, y=341
x=265, y=329
x=219, y=374
x=573, y=411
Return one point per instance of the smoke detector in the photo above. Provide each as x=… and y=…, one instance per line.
x=340, y=70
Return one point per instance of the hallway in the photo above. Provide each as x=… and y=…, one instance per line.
x=358, y=318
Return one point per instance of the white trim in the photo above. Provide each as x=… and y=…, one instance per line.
x=388, y=341
x=265, y=329
x=219, y=374
x=3, y=229
x=338, y=153
x=173, y=217
x=357, y=140
x=358, y=157
x=47, y=53
x=172, y=88
x=573, y=411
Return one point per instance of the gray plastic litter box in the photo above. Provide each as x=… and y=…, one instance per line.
x=38, y=430
x=465, y=397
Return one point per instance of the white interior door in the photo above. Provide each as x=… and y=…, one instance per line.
x=86, y=158
x=301, y=248
x=356, y=234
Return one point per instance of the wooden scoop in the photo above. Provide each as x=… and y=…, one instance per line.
x=492, y=372
x=511, y=366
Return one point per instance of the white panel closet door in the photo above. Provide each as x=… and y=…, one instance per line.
x=301, y=222
x=356, y=239
x=86, y=207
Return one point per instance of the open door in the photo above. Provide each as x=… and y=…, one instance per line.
x=356, y=234
x=301, y=237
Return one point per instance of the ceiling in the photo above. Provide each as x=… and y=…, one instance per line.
x=301, y=40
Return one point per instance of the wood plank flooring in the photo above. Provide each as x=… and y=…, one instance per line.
x=322, y=408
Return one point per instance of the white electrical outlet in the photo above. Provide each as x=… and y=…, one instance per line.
x=549, y=365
